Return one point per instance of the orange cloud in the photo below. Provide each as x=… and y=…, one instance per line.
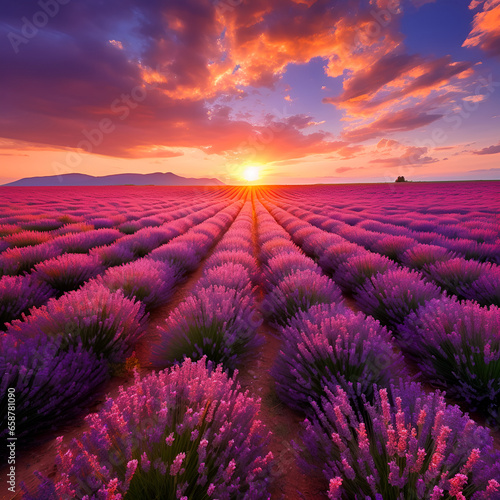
x=485, y=32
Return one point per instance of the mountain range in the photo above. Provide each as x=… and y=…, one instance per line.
x=155, y=179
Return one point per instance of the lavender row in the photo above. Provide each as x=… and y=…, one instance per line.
x=345, y=437
x=465, y=278
x=218, y=319
x=67, y=272
x=188, y=432
x=325, y=344
x=468, y=366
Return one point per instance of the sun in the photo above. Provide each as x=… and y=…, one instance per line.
x=251, y=174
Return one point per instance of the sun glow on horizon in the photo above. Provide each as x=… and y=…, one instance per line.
x=251, y=173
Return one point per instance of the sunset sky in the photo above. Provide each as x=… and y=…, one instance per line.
x=297, y=91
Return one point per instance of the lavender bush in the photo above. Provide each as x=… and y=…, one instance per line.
x=332, y=346
x=298, y=292
x=151, y=282
x=84, y=241
x=218, y=322
x=421, y=255
x=336, y=255
x=15, y=261
x=282, y=265
x=457, y=346
x=409, y=445
x=102, y=321
x=178, y=254
x=26, y=238
x=229, y=275
x=394, y=246
x=68, y=271
x=393, y=295
x=457, y=275
x=113, y=255
x=185, y=433
x=50, y=382
x=356, y=270
x=18, y=294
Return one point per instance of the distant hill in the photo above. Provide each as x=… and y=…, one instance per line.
x=156, y=179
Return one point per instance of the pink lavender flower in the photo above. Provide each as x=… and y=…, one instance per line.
x=102, y=321
x=393, y=295
x=135, y=424
x=218, y=322
x=69, y=271
x=457, y=346
x=151, y=282
x=298, y=292
x=447, y=437
x=329, y=347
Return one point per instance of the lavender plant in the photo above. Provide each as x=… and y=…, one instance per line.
x=68, y=271
x=50, y=382
x=356, y=270
x=228, y=275
x=104, y=322
x=421, y=255
x=331, y=346
x=393, y=295
x=151, y=282
x=457, y=346
x=284, y=264
x=298, y=292
x=185, y=433
x=457, y=275
x=409, y=445
x=18, y=294
x=216, y=322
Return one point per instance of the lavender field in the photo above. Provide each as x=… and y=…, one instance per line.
x=298, y=342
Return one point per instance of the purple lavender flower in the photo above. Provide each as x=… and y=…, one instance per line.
x=218, y=322
x=15, y=261
x=151, y=282
x=334, y=347
x=238, y=257
x=393, y=295
x=229, y=275
x=179, y=254
x=68, y=271
x=336, y=255
x=457, y=346
x=50, y=382
x=84, y=241
x=457, y=275
x=195, y=434
x=18, y=294
x=393, y=246
x=409, y=444
x=102, y=321
x=282, y=265
x=113, y=255
x=421, y=255
x=298, y=292
x=356, y=270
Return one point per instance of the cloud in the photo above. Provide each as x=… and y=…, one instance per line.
x=396, y=77
x=412, y=155
x=490, y=150
x=399, y=121
x=485, y=32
